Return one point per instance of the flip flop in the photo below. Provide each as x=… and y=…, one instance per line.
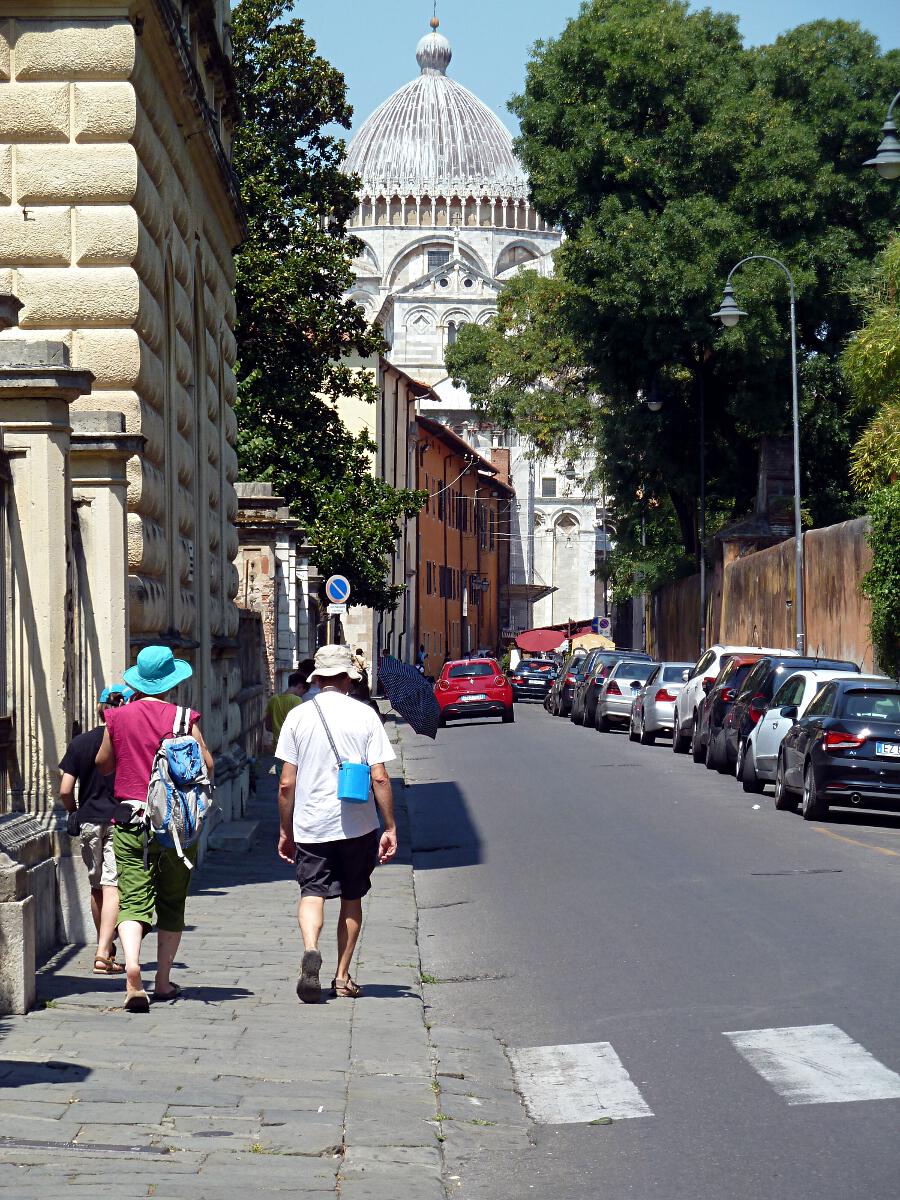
x=166, y=997
x=137, y=1002
x=309, y=989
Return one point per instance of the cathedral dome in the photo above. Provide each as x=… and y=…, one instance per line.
x=433, y=137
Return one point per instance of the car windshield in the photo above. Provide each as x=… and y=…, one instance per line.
x=470, y=670
x=674, y=674
x=635, y=670
x=533, y=668
x=872, y=706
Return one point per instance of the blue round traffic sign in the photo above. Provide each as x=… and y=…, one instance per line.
x=337, y=589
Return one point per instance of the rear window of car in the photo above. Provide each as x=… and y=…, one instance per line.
x=673, y=674
x=740, y=673
x=470, y=670
x=872, y=706
x=635, y=670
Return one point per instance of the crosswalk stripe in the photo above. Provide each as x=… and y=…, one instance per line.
x=572, y=1085
x=816, y=1064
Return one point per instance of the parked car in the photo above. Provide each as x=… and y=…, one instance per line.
x=653, y=707
x=758, y=754
x=474, y=687
x=706, y=736
x=591, y=684
x=699, y=681
x=844, y=751
x=617, y=693
x=757, y=691
x=560, y=702
x=532, y=678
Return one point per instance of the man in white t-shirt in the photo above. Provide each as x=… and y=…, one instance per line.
x=333, y=843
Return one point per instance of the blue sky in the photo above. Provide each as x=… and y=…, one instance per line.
x=374, y=43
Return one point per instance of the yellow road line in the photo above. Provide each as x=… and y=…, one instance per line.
x=855, y=842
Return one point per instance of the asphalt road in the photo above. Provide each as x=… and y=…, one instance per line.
x=582, y=889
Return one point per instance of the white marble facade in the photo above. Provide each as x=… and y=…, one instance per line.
x=445, y=218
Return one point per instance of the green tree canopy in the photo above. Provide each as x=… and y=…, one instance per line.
x=667, y=152
x=296, y=332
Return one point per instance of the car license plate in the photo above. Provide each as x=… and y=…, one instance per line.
x=888, y=749
x=478, y=696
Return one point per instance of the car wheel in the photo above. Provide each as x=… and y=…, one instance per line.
x=785, y=800
x=813, y=807
x=509, y=716
x=601, y=723
x=698, y=750
x=645, y=738
x=746, y=770
x=680, y=743
x=712, y=755
x=442, y=722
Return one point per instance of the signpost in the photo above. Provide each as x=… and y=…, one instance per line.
x=337, y=589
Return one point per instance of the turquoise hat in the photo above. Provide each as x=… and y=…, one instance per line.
x=157, y=670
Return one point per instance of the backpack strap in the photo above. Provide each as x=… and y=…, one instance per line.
x=337, y=757
x=181, y=726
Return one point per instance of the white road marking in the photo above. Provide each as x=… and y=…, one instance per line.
x=816, y=1064
x=572, y=1085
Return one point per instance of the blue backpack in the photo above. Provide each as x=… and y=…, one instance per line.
x=180, y=793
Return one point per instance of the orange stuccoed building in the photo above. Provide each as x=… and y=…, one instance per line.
x=463, y=546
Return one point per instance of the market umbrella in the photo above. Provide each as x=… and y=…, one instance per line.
x=410, y=695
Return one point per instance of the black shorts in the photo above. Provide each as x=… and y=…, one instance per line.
x=341, y=868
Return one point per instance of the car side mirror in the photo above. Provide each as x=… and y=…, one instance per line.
x=635, y=686
x=685, y=675
x=707, y=685
x=790, y=710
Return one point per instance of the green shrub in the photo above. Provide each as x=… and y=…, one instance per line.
x=882, y=583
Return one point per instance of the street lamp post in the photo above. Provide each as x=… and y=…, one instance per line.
x=729, y=314
x=887, y=157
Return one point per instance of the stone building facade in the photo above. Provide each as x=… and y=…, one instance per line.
x=118, y=215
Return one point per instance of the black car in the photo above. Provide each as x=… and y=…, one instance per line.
x=706, y=738
x=532, y=678
x=595, y=659
x=755, y=694
x=559, y=702
x=844, y=751
x=591, y=684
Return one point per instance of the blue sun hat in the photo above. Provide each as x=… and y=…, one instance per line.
x=157, y=670
x=116, y=693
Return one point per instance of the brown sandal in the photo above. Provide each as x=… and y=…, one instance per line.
x=107, y=966
x=347, y=988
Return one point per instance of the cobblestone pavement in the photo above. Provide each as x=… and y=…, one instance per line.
x=235, y=1089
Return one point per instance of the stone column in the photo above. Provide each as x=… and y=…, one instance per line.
x=100, y=449
x=37, y=385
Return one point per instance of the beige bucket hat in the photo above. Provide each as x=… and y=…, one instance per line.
x=335, y=660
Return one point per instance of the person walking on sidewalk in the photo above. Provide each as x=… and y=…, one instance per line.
x=282, y=703
x=152, y=878
x=332, y=842
x=91, y=819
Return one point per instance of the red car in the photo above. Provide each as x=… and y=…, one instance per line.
x=474, y=687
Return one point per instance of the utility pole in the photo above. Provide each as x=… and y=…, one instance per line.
x=530, y=519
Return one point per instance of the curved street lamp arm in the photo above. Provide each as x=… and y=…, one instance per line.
x=768, y=258
x=891, y=106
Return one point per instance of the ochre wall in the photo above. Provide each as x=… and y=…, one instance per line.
x=747, y=599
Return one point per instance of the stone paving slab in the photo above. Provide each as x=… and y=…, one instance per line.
x=236, y=1089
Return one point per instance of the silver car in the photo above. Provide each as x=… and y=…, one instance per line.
x=653, y=707
x=614, y=701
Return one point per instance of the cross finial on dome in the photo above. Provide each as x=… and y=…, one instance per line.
x=434, y=52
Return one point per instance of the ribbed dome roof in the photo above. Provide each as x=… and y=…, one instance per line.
x=434, y=138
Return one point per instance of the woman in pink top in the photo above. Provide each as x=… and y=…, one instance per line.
x=159, y=889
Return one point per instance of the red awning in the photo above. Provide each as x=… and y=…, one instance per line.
x=540, y=641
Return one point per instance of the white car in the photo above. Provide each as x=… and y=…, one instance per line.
x=653, y=708
x=758, y=756
x=699, y=680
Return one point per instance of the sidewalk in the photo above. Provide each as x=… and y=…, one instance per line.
x=237, y=1088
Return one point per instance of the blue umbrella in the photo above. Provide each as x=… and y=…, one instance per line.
x=410, y=695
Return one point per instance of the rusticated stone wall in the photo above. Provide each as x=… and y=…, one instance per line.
x=117, y=222
x=747, y=600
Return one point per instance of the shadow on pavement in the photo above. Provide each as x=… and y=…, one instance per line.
x=19, y=1073
x=443, y=833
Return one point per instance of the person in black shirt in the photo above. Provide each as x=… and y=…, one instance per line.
x=96, y=802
